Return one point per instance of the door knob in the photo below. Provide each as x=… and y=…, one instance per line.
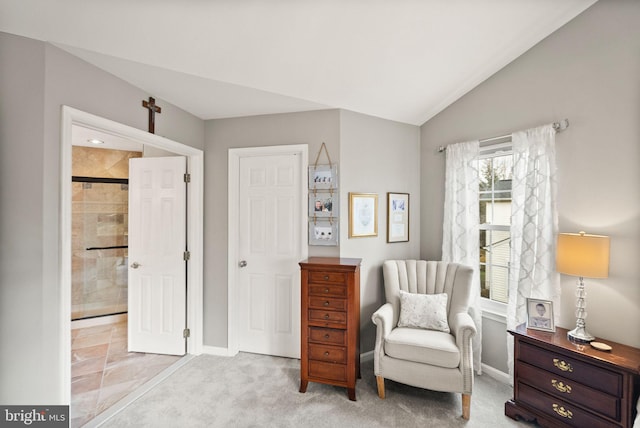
x=135, y=265
x=243, y=263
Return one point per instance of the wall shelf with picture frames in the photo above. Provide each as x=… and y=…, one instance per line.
x=324, y=202
x=324, y=205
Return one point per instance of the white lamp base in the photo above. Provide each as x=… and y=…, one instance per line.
x=580, y=335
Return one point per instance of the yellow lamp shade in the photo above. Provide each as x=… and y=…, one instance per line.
x=583, y=255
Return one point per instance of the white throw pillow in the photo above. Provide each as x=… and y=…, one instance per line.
x=427, y=311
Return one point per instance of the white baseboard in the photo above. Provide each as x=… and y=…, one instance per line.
x=367, y=356
x=224, y=352
x=216, y=350
x=496, y=374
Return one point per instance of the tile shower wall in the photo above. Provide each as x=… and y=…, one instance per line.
x=99, y=219
x=91, y=162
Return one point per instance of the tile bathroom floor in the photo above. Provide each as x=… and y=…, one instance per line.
x=103, y=372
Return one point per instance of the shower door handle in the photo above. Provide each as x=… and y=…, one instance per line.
x=135, y=265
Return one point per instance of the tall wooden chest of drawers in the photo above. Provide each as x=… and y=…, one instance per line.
x=330, y=330
x=559, y=383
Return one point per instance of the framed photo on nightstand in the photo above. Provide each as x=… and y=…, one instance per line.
x=540, y=315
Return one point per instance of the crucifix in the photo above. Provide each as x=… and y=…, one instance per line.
x=153, y=109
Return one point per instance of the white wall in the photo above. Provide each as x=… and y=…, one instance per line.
x=587, y=71
x=37, y=79
x=377, y=156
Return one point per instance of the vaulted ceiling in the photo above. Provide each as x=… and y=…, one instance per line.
x=403, y=60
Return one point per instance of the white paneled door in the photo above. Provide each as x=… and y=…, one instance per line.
x=269, y=251
x=157, y=267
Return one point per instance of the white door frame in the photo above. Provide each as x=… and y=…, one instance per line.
x=234, y=223
x=71, y=116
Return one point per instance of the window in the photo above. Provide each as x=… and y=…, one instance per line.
x=495, y=168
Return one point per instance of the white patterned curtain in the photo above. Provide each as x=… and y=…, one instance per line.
x=534, y=225
x=460, y=234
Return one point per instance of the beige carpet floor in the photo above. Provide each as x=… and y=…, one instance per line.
x=252, y=390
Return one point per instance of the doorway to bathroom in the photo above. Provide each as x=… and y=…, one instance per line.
x=99, y=261
x=104, y=368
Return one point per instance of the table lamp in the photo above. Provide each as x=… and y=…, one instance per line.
x=582, y=255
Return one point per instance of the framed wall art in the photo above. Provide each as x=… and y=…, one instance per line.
x=323, y=232
x=363, y=214
x=323, y=204
x=323, y=177
x=397, y=217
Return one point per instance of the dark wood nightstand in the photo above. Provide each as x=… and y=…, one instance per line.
x=561, y=383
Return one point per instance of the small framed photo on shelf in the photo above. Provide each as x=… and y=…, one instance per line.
x=323, y=204
x=323, y=177
x=363, y=214
x=323, y=232
x=397, y=217
x=540, y=315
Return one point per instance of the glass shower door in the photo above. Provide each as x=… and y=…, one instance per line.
x=99, y=247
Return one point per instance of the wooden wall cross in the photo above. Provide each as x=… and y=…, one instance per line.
x=153, y=109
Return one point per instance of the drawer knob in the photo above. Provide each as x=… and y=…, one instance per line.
x=326, y=354
x=326, y=277
x=560, y=386
x=561, y=411
x=326, y=290
x=326, y=336
x=326, y=316
x=326, y=303
x=562, y=365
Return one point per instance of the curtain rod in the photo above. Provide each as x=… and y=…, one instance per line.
x=558, y=126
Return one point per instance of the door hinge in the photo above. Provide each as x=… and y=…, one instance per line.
x=187, y=178
x=186, y=255
x=186, y=333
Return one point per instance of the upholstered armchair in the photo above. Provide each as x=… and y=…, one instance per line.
x=420, y=351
